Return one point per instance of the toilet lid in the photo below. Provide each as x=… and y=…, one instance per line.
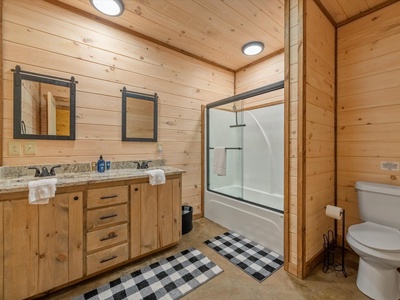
x=376, y=236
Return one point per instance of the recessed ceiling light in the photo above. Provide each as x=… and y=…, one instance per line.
x=253, y=48
x=109, y=7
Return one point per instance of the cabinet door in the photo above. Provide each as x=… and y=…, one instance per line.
x=21, y=248
x=177, y=210
x=135, y=220
x=148, y=222
x=60, y=240
x=169, y=212
x=42, y=244
x=75, y=235
x=165, y=215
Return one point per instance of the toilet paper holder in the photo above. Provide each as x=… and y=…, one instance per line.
x=332, y=250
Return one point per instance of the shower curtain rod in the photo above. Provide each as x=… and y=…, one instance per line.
x=262, y=90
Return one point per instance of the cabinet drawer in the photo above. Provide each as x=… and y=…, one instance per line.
x=106, y=258
x=106, y=216
x=106, y=237
x=107, y=196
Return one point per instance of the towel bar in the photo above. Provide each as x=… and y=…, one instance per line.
x=229, y=148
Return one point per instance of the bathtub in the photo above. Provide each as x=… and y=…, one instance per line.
x=262, y=225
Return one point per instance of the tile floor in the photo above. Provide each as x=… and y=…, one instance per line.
x=234, y=284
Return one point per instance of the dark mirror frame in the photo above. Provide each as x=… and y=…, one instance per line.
x=148, y=97
x=20, y=75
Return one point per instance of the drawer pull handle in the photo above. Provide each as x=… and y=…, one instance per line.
x=108, y=259
x=108, y=197
x=111, y=235
x=76, y=198
x=108, y=217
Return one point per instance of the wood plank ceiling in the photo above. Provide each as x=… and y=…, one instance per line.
x=215, y=30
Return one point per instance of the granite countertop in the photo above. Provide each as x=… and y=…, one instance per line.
x=20, y=184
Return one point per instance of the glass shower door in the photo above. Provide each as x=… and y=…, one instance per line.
x=225, y=142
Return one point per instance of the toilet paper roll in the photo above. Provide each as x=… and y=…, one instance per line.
x=334, y=212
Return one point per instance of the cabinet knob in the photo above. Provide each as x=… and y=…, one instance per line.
x=136, y=189
x=76, y=198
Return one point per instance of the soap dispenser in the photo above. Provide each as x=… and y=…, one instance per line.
x=101, y=165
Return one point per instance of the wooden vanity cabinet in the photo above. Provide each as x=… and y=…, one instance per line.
x=156, y=214
x=83, y=230
x=42, y=244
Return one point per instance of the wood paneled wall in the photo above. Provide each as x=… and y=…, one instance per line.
x=311, y=113
x=319, y=133
x=368, y=117
x=264, y=73
x=44, y=38
x=267, y=72
x=1, y=80
x=293, y=180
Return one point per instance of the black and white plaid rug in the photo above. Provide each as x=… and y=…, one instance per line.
x=256, y=260
x=170, y=278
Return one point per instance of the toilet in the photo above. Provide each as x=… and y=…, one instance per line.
x=377, y=240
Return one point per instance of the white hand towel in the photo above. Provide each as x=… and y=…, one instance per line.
x=219, y=165
x=156, y=176
x=41, y=190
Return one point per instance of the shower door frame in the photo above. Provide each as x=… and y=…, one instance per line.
x=256, y=92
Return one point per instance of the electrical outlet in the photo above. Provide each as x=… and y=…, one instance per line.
x=14, y=148
x=160, y=148
x=30, y=148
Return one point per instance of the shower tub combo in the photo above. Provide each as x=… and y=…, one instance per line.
x=248, y=199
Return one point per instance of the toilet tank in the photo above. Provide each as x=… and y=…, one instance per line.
x=379, y=203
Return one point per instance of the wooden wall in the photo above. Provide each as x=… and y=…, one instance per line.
x=319, y=133
x=44, y=38
x=310, y=75
x=266, y=72
x=368, y=117
x=1, y=80
x=293, y=178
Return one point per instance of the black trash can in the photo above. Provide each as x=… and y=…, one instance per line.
x=187, y=216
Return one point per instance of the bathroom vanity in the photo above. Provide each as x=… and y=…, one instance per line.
x=94, y=223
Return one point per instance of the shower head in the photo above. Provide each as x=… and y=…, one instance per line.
x=236, y=118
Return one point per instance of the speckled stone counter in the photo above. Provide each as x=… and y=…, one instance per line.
x=10, y=184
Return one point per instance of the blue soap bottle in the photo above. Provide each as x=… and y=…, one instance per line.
x=101, y=165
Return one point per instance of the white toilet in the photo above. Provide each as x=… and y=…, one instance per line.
x=377, y=240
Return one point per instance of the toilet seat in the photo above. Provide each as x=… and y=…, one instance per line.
x=376, y=236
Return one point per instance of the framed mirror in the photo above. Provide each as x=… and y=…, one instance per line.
x=139, y=116
x=44, y=106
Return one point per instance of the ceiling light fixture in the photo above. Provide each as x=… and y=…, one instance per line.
x=112, y=8
x=253, y=48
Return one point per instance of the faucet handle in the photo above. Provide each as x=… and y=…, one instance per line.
x=44, y=173
x=138, y=164
x=145, y=164
x=37, y=172
x=52, y=170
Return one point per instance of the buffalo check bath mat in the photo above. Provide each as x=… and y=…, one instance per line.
x=170, y=278
x=256, y=260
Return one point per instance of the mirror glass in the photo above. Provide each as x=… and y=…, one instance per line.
x=139, y=116
x=44, y=106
